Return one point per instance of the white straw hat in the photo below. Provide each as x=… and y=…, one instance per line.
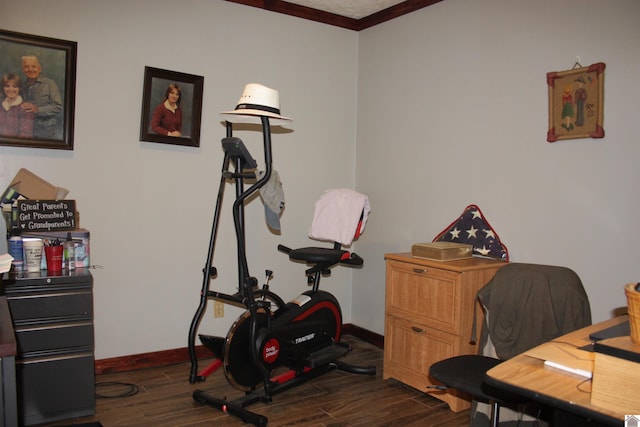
x=257, y=101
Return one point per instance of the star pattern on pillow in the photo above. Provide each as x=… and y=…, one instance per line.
x=472, y=228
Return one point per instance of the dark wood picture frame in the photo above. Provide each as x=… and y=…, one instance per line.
x=576, y=99
x=53, y=92
x=156, y=86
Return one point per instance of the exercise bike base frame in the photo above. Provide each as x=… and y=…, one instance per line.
x=237, y=407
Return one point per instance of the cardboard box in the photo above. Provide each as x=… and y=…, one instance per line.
x=442, y=251
x=81, y=238
x=27, y=185
x=31, y=186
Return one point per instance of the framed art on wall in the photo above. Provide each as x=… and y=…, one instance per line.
x=38, y=91
x=171, y=107
x=576, y=99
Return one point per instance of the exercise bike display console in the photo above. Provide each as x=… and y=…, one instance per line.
x=273, y=346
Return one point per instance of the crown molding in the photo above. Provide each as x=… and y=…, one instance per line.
x=321, y=16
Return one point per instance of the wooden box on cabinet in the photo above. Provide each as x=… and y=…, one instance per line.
x=429, y=312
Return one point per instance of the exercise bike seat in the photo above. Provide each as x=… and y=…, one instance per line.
x=322, y=256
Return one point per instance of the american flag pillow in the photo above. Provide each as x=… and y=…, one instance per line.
x=472, y=228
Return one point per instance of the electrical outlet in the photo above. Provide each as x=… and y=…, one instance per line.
x=218, y=309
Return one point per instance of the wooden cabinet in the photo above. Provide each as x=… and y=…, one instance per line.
x=429, y=312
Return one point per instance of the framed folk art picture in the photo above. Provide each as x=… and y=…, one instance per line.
x=576, y=99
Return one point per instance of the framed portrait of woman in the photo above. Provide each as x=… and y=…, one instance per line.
x=171, y=107
x=37, y=97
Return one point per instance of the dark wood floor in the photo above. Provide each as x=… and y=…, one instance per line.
x=334, y=399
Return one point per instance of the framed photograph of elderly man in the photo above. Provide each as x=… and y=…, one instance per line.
x=171, y=107
x=37, y=100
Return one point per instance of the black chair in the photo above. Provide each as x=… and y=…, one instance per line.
x=466, y=374
x=524, y=306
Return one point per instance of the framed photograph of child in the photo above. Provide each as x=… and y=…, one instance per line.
x=576, y=99
x=171, y=107
x=37, y=99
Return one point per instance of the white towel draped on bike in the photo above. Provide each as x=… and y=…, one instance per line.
x=337, y=215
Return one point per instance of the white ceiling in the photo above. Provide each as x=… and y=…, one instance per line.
x=355, y=9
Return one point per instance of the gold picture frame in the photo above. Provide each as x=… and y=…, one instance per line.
x=576, y=99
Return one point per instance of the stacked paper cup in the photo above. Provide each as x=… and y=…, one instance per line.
x=32, y=254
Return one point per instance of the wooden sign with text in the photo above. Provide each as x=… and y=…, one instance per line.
x=46, y=215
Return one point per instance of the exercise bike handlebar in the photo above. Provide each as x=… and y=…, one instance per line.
x=355, y=259
x=285, y=249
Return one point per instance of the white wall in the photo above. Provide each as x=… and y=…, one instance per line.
x=149, y=206
x=453, y=110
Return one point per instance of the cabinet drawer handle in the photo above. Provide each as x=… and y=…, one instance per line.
x=419, y=270
x=416, y=329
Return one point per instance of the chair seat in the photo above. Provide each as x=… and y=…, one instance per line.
x=466, y=373
x=316, y=255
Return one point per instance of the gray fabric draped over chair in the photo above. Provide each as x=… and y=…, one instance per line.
x=526, y=305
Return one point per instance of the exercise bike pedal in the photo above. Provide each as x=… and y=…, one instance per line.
x=215, y=344
x=327, y=354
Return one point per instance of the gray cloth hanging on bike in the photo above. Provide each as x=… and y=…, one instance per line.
x=272, y=196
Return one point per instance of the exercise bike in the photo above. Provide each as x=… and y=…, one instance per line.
x=273, y=346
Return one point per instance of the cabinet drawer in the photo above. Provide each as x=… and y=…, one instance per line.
x=428, y=295
x=411, y=348
x=56, y=387
x=51, y=305
x=54, y=336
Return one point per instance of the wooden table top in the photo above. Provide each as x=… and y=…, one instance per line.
x=528, y=376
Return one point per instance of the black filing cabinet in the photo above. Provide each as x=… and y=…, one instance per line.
x=53, y=322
